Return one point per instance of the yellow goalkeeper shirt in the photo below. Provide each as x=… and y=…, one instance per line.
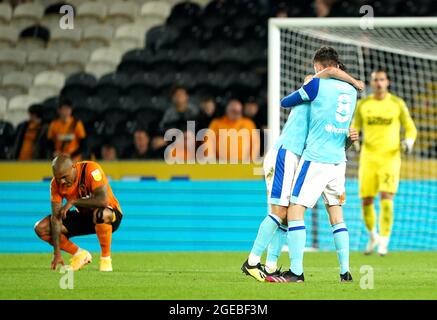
x=381, y=122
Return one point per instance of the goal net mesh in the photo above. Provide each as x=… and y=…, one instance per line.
x=409, y=55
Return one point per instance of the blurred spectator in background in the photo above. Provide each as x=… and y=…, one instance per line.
x=281, y=11
x=109, y=152
x=323, y=7
x=6, y=139
x=252, y=111
x=31, y=142
x=141, y=148
x=180, y=111
x=66, y=134
x=248, y=138
x=207, y=113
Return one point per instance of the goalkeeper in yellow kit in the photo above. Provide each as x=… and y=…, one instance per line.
x=380, y=117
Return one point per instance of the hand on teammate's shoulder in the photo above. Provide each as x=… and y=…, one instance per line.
x=360, y=85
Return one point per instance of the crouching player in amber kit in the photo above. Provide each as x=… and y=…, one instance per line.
x=90, y=207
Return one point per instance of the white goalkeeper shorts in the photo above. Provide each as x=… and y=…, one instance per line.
x=313, y=180
x=279, y=168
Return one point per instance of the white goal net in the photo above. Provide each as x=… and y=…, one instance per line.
x=407, y=49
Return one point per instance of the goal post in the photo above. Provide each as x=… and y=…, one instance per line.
x=407, y=49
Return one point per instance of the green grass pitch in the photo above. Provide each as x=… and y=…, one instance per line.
x=179, y=276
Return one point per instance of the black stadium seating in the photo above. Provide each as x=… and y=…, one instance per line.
x=110, y=86
x=79, y=86
x=36, y=32
x=219, y=51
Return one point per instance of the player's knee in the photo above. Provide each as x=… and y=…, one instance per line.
x=42, y=227
x=367, y=201
x=387, y=196
x=280, y=211
x=102, y=215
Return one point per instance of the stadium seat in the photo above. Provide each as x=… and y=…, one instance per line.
x=235, y=36
x=110, y=86
x=46, y=84
x=72, y=61
x=21, y=103
x=49, y=113
x=164, y=84
x=5, y=13
x=87, y=116
x=79, y=86
x=147, y=117
x=219, y=40
x=210, y=84
x=126, y=103
x=27, y=14
x=103, y=61
x=130, y=36
x=8, y=37
x=142, y=86
x=121, y=13
x=195, y=62
x=184, y=14
x=93, y=103
x=136, y=60
x=201, y=3
x=165, y=61
x=50, y=79
x=33, y=37
x=48, y=3
x=108, y=56
x=40, y=60
x=15, y=117
x=257, y=34
x=159, y=9
x=117, y=112
x=90, y=13
x=243, y=85
x=215, y=14
x=96, y=36
x=11, y=60
x=3, y=107
x=161, y=37
x=231, y=60
x=63, y=40
x=97, y=70
x=41, y=92
x=15, y=83
x=244, y=20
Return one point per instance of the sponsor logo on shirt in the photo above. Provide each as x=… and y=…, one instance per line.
x=379, y=121
x=333, y=129
x=97, y=175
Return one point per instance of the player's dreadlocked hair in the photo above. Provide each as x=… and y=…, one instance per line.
x=328, y=57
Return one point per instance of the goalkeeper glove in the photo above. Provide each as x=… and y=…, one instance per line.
x=407, y=145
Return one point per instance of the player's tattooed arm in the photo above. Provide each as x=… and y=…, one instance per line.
x=56, y=227
x=336, y=73
x=99, y=199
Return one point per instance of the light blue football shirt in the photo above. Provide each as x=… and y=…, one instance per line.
x=332, y=107
x=295, y=130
